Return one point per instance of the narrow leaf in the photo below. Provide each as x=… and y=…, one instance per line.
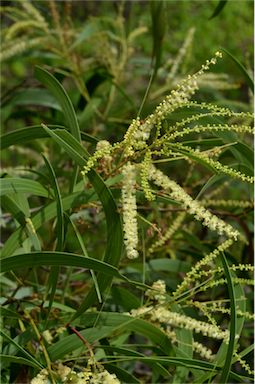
x=221, y=4
x=231, y=345
x=31, y=359
x=19, y=360
x=62, y=97
x=243, y=70
x=24, y=135
x=11, y=185
x=54, y=273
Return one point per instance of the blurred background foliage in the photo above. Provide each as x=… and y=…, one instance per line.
x=93, y=47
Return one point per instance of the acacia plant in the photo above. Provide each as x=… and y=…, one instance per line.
x=127, y=255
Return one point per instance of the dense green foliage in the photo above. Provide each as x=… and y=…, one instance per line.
x=126, y=192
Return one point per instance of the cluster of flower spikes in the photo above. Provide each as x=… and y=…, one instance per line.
x=139, y=131
x=135, y=139
x=167, y=320
x=86, y=376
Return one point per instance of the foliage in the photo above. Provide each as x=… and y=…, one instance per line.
x=127, y=196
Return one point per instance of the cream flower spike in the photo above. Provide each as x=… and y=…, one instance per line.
x=193, y=207
x=129, y=211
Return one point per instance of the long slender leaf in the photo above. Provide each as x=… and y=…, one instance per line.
x=46, y=213
x=112, y=322
x=35, y=96
x=19, y=360
x=11, y=185
x=54, y=273
x=67, y=108
x=62, y=97
x=114, y=230
x=36, y=259
x=158, y=16
x=30, y=358
x=11, y=206
x=183, y=349
x=24, y=135
x=243, y=70
x=221, y=354
x=122, y=374
x=59, y=205
x=130, y=352
x=231, y=345
x=23, y=219
x=221, y=4
x=83, y=248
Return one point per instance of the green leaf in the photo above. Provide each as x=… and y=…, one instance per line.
x=11, y=185
x=46, y=213
x=125, y=298
x=83, y=248
x=24, y=135
x=233, y=319
x=19, y=360
x=158, y=17
x=36, y=259
x=222, y=352
x=67, y=108
x=63, y=99
x=122, y=374
x=213, y=181
x=33, y=362
x=221, y=4
x=108, y=323
x=89, y=110
x=35, y=96
x=10, y=206
x=114, y=230
x=54, y=273
x=243, y=70
x=169, y=265
x=69, y=144
x=131, y=352
x=183, y=349
x=73, y=342
x=59, y=205
x=21, y=215
x=245, y=156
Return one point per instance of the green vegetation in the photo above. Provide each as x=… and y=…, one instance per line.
x=126, y=192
